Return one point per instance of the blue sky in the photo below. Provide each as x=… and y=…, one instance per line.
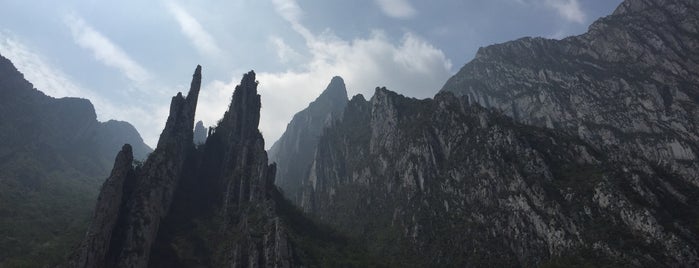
x=130, y=57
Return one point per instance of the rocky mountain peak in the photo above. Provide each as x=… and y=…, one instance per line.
x=200, y=133
x=335, y=92
x=180, y=121
x=301, y=137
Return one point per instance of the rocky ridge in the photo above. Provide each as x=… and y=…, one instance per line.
x=294, y=150
x=593, y=162
x=630, y=85
x=211, y=205
x=463, y=186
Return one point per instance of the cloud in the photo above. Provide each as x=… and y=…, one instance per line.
x=410, y=66
x=53, y=82
x=104, y=50
x=190, y=27
x=36, y=70
x=285, y=53
x=568, y=9
x=399, y=9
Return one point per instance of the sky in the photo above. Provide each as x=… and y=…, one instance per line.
x=130, y=57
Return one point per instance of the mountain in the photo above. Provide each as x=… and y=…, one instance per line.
x=211, y=205
x=630, y=84
x=200, y=133
x=581, y=151
x=54, y=154
x=294, y=150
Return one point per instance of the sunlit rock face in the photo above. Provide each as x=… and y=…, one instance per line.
x=538, y=151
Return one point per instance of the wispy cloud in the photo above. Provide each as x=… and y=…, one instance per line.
x=104, y=50
x=190, y=26
x=36, y=70
x=285, y=53
x=568, y=9
x=400, y=9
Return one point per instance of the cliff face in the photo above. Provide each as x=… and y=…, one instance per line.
x=294, y=150
x=54, y=154
x=192, y=206
x=585, y=151
x=463, y=186
x=630, y=85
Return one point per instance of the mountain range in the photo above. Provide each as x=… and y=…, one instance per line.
x=580, y=152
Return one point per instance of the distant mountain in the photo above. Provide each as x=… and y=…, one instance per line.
x=54, y=154
x=539, y=152
x=294, y=150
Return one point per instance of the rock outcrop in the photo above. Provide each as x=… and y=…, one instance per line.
x=629, y=86
x=293, y=152
x=211, y=205
x=582, y=150
x=200, y=133
x=446, y=183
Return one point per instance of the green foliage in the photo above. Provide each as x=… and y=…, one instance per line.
x=44, y=208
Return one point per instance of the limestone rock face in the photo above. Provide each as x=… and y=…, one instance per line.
x=209, y=206
x=537, y=151
x=448, y=183
x=94, y=249
x=293, y=152
x=630, y=85
x=200, y=133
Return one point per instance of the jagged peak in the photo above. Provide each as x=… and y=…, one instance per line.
x=358, y=98
x=182, y=110
x=244, y=110
x=336, y=91
x=195, y=85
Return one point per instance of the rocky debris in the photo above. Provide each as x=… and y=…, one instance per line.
x=294, y=150
x=186, y=206
x=200, y=133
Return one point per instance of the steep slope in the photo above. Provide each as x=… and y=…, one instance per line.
x=212, y=205
x=629, y=85
x=293, y=152
x=593, y=162
x=54, y=154
x=445, y=183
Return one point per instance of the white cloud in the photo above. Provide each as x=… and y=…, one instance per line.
x=200, y=38
x=410, y=66
x=400, y=9
x=285, y=53
x=48, y=78
x=104, y=50
x=568, y=9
